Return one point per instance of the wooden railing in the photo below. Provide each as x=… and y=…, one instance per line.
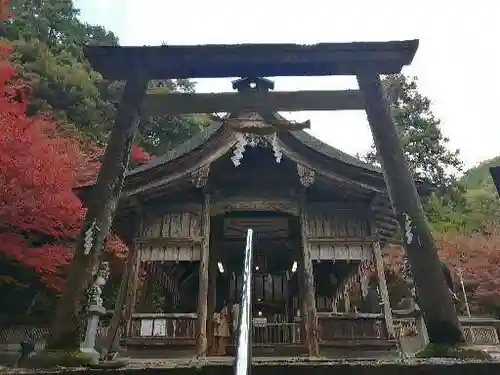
x=477, y=331
x=170, y=327
x=276, y=333
x=481, y=331
x=337, y=327
x=181, y=329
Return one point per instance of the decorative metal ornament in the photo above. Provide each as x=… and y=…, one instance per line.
x=255, y=140
x=200, y=176
x=306, y=175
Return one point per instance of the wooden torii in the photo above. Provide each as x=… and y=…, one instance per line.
x=366, y=61
x=495, y=175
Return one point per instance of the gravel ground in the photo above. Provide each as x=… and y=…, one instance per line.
x=137, y=364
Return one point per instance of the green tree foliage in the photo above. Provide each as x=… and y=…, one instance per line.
x=424, y=145
x=49, y=38
x=483, y=203
x=55, y=23
x=470, y=206
x=161, y=134
x=427, y=153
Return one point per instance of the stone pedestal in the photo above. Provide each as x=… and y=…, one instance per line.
x=88, y=345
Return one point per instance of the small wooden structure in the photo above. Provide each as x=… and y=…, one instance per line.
x=319, y=216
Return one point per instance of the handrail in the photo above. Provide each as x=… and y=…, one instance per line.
x=243, y=361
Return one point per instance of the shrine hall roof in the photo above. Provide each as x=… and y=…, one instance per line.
x=200, y=138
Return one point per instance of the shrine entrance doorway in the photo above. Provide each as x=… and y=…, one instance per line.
x=276, y=249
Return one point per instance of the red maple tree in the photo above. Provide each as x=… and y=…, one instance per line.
x=477, y=257
x=40, y=216
x=4, y=10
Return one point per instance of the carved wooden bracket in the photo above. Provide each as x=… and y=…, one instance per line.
x=200, y=176
x=221, y=206
x=306, y=175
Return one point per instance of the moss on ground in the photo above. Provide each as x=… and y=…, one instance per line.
x=457, y=352
x=58, y=358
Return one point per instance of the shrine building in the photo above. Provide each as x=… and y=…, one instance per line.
x=320, y=219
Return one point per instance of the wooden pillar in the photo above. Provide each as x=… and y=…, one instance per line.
x=112, y=340
x=133, y=286
x=67, y=325
x=309, y=315
x=347, y=300
x=434, y=297
x=301, y=302
x=133, y=277
x=384, y=293
x=201, y=342
x=212, y=298
x=363, y=283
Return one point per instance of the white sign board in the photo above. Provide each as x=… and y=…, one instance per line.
x=160, y=327
x=259, y=322
x=146, y=327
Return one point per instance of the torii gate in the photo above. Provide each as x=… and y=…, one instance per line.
x=367, y=61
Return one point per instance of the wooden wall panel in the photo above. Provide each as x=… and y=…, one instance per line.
x=173, y=235
x=172, y=223
x=187, y=252
x=338, y=234
x=330, y=223
x=332, y=251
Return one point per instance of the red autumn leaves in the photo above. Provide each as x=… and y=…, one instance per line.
x=478, y=258
x=4, y=10
x=40, y=216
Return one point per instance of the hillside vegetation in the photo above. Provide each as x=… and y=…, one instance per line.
x=479, y=177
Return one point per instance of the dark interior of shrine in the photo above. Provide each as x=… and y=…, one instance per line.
x=276, y=261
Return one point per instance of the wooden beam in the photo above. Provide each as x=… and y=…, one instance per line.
x=251, y=60
x=434, y=297
x=158, y=102
x=201, y=339
x=307, y=279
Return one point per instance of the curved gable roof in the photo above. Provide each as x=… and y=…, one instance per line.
x=200, y=138
x=197, y=140
x=331, y=152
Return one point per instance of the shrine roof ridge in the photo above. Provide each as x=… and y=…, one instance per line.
x=198, y=139
x=250, y=60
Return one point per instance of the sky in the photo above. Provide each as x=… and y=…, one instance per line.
x=456, y=63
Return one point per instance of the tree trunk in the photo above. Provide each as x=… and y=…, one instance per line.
x=67, y=327
x=436, y=302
